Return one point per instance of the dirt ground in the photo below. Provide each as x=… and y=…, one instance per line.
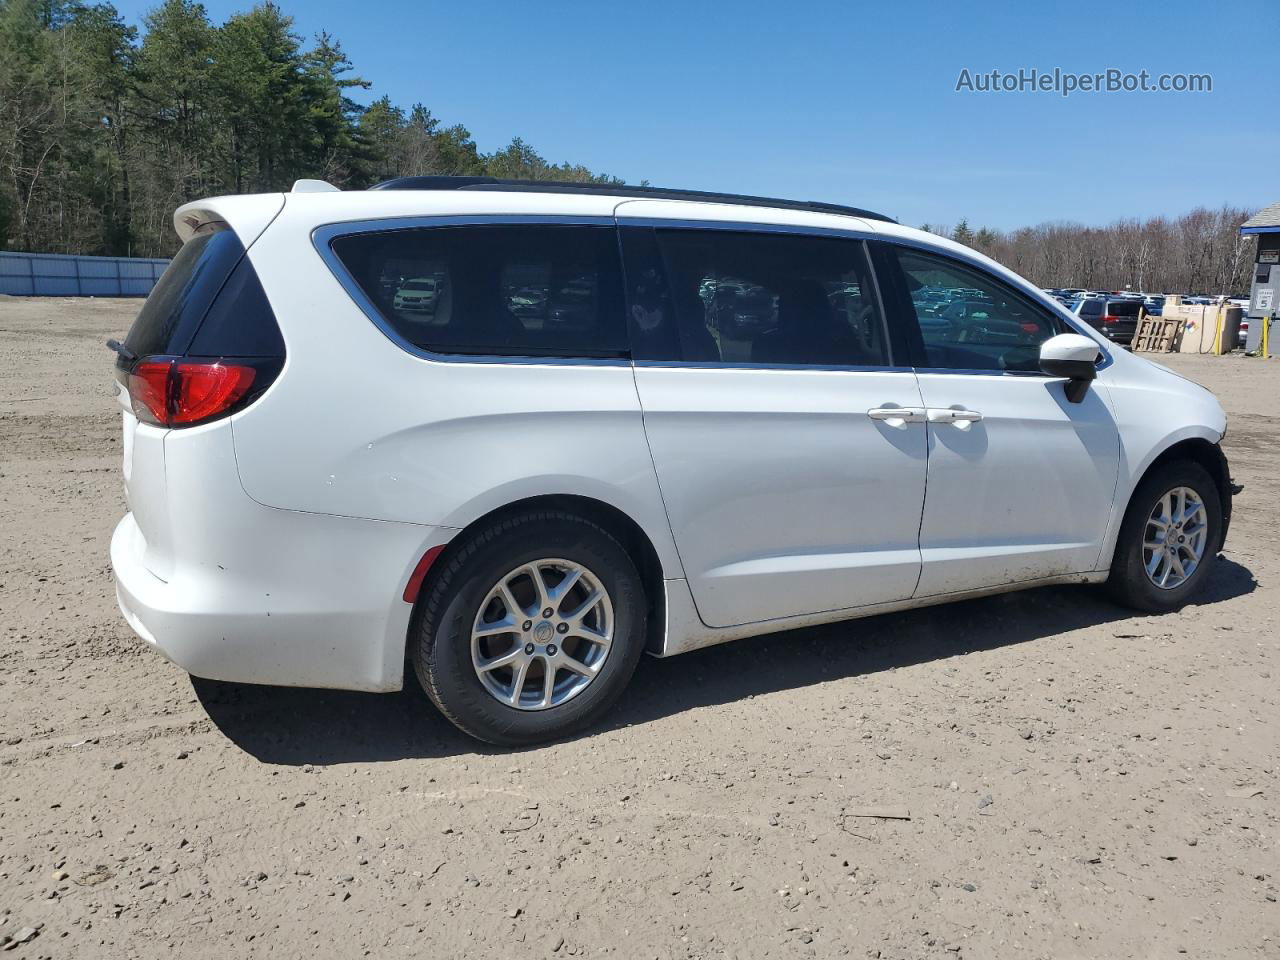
x=1081, y=782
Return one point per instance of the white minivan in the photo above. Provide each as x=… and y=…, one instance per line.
x=633, y=420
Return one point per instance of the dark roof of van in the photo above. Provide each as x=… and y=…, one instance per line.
x=620, y=190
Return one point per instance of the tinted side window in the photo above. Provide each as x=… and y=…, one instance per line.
x=967, y=319
x=172, y=313
x=498, y=290
x=753, y=298
x=240, y=321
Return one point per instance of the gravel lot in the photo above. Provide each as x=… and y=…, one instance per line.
x=1081, y=782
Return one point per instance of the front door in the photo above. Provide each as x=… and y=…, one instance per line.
x=789, y=449
x=1021, y=481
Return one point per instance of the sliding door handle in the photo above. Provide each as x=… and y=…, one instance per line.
x=897, y=415
x=960, y=418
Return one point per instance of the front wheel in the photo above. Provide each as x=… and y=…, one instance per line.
x=532, y=629
x=1169, y=539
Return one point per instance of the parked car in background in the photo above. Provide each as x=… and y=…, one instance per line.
x=417, y=295
x=528, y=303
x=1154, y=305
x=519, y=508
x=1116, y=318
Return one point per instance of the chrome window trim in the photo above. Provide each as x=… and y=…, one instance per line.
x=1031, y=374
x=775, y=367
x=322, y=238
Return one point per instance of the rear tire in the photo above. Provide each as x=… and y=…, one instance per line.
x=1170, y=492
x=460, y=628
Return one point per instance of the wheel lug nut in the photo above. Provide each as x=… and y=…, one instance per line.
x=551, y=650
x=547, y=612
x=528, y=625
x=528, y=649
x=562, y=628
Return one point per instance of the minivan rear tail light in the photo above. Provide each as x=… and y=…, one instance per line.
x=206, y=343
x=202, y=391
x=170, y=392
x=148, y=386
x=1109, y=320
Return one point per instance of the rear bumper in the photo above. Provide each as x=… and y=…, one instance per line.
x=235, y=590
x=299, y=625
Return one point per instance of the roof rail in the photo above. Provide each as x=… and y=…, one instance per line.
x=619, y=190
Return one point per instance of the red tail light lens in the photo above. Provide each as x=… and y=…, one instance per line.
x=1110, y=321
x=149, y=391
x=180, y=393
x=206, y=390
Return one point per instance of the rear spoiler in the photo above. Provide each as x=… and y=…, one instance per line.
x=248, y=215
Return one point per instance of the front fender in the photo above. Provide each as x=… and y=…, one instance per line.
x=1157, y=414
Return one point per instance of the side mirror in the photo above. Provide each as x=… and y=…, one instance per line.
x=1072, y=356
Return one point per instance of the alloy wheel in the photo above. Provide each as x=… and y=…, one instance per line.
x=1174, y=541
x=542, y=634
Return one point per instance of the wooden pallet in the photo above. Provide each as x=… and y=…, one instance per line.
x=1158, y=335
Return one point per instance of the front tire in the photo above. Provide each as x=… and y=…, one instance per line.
x=531, y=630
x=1169, y=539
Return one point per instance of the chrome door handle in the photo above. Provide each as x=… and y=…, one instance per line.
x=960, y=418
x=898, y=414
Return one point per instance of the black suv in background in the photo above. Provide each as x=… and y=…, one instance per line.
x=1116, y=319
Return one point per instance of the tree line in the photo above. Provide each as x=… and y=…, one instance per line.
x=103, y=134
x=104, y=131
x=1201, y=252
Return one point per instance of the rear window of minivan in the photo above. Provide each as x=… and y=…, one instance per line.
x=545, y=290
x=208, y=302
x=170, y=315
x=1123, y=308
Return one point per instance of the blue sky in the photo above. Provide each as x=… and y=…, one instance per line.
x=850, y=102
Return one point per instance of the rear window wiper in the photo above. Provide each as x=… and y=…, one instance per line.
x=125, y=353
